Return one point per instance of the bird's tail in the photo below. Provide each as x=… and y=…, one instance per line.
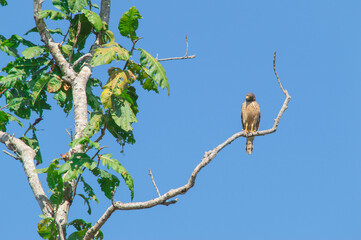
x=249, y=145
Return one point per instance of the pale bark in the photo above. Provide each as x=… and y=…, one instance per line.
x=27, y=156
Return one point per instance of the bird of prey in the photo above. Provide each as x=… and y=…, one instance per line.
x=251, y=116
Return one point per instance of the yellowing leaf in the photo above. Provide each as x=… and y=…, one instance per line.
x=108, y=53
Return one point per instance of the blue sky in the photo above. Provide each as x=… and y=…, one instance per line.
x=302, y=182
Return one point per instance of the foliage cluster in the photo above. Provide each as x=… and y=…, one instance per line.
x=33, y=76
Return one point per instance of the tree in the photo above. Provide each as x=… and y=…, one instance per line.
x=64, y=70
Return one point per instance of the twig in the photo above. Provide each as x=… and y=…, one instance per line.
x=70, y=134
x=12, y=155
x=81, y=58
x=2, y=92
x=207, y=158
x=33, y=125
x=155, y=185
x=98, y=151
x=131, y=51
x=102, y=133
x=178, y=58
x=274, y=69
x=3, y=106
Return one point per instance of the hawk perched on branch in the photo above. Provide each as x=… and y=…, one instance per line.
x=251, y=116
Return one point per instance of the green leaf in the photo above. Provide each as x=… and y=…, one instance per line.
x=143, y=76
x=3, y=3
x=156, y=70
x=110, y=162
x=72, y=168
x=95, y=123
x=38, y=86
x=107, y=182
x=52, y=31
x=89, y=190
x=13, y=118
x=62, y=5
x=54, y=83
x=85, y=30
x=128, y=23
x=77, y=5
x=34, y=144
x=120, y=135
x=33, y=52
x=94, y=19
x=4, y=119
x=124, y=116
x=47, y=229
x=52, y=14
x=86, y=201
x=93, y=101
x=108, y=53
x=15, y=103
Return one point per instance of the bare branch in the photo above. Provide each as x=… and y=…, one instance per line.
x=12, y=155
x=82, y=58
x=27, y=156
x=178, y=58
x=4, y=106
x=207, y=158
x=155, y=185
x=105, y=10
x=131, y=51
x=70, y=134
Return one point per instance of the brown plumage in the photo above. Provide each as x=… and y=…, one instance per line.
x=251, y=116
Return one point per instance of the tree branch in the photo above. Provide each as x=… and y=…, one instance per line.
x=27, y=155
x=105, y=10
x=178, y=58
x=207, y=158
x=53, y=47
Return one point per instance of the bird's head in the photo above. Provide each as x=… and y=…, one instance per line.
x=250, y=97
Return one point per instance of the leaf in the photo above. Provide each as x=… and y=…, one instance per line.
x=4, y=119
x=13, y=118
x=124, y=116
x=34, y=144
x=52, y=31
x=86, y=201
x=3, y=3
x=110, y=162
x=54, y=84
x=89, y=190
x=15, y=103
x=38, y=86
x=77, y=5
x=95, y=123
x=128, y=23
x=120, y=135
x=33, y=52
x=85, y=30
x=94, y=19
x=62, y=5
x=156, y=70
x=52, y=14
x=47, y=229
x=108, y=53
x=117, y=82
x=107, y=182
x=143, y=76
